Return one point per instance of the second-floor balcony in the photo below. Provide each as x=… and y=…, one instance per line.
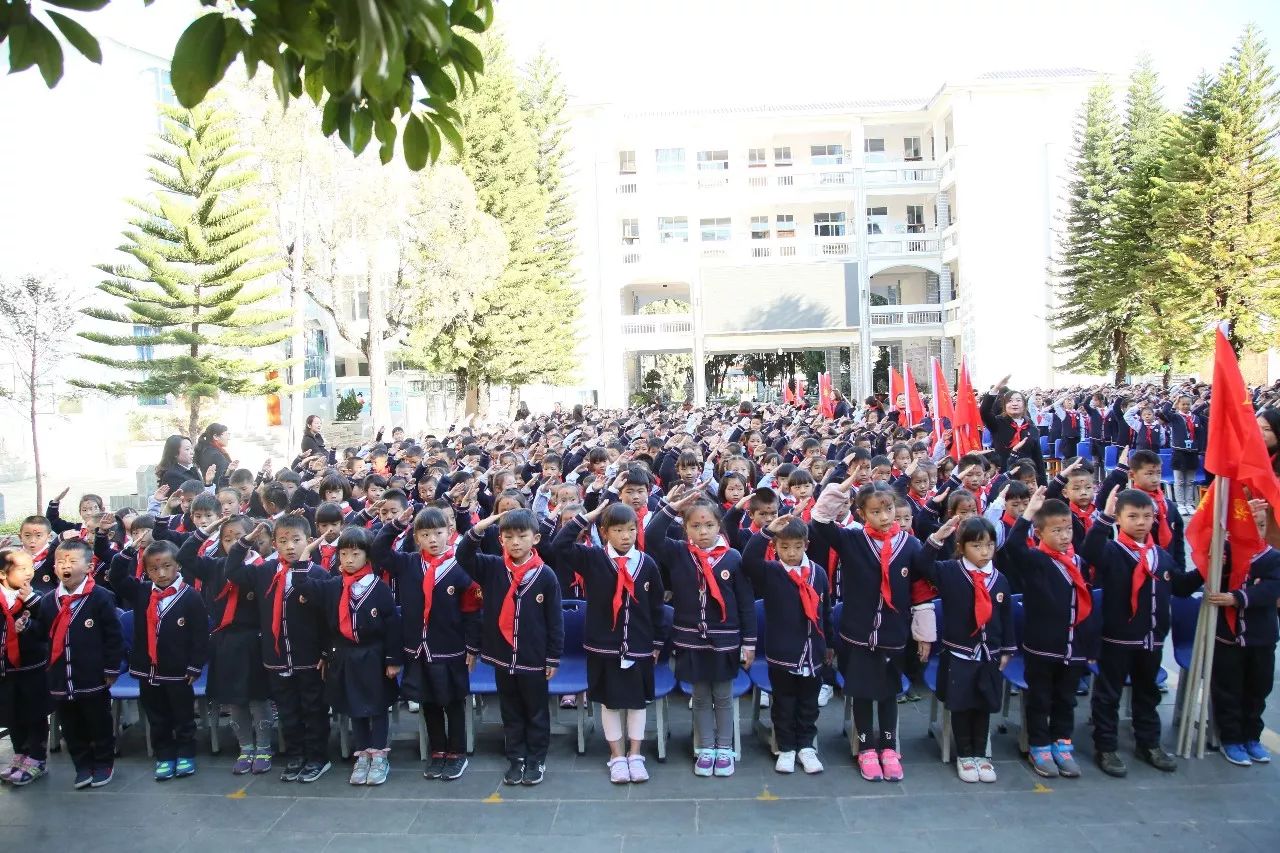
x=778, y=249
x=773, y=178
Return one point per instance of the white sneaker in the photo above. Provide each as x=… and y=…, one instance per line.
x=825, y=692
x=967, y=769
x=765, y=700
x=786, y=762
x=414, y=707
x=809, y=760
x=986, y=770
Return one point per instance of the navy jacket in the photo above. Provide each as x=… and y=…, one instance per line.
x=791, y=640
x=182, y=635
x=959, y=631
x=1256, y=624
x=1049, y=598
x=373, y=616
x=94, y=649
x=303, y=629
x=1113, y=566
x=1119, y=479
x=33, y=638
x=452, y=602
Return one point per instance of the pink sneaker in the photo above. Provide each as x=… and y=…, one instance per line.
x=891, y=765
x=869, y=765
x=14, y=768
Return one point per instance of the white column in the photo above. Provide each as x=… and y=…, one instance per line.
x=699, y=351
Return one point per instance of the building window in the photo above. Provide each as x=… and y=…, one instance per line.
x=714, y=230
x=786, y=223
x=630, y=232
x=873, y=146
x=826, y=155
x=316, y=365
x=915, y=219
x=911, y=148
x=362, y=368
x=146, y=352
x=673, y=229
x=626, y=162
x=340, y=368
x=670, y=161
x=877, y=218
x=782, y=156
x=759, y=228
x=713, y=160
x=755, y=158
x=360, y=304
x=828, y=224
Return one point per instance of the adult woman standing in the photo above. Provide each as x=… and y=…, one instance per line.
x=1012, y=431
x=211, y=449
x=312, y=440
x=175, y=466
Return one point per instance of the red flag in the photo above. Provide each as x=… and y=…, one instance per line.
x=968, y=421
x=826, y=400
x=788, y=397
x=896, y=389
x=943, y=412
x=1235, y=451
x=915, y=406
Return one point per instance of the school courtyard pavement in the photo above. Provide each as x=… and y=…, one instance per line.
x=1206, y=805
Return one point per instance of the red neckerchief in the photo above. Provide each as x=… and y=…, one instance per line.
x=1009, y=520
x=1073, y=420
x=327, y=553
x=1191, y=426
x=625, y=583
x=429, y=566
x=727, y=505
x=141, y=570
x=917, y=498
x=1067, y=559
x=1019, y=431
x=1150, y=441
x=806, y=509
x=275, y=590
x=231, y=595
x=208, y=547
x=808, y=595
x=1144, y=569
x=641, y=514
x=62, y=621
x=153, y=618
x=1164, y=534
x=705, y=559
x=981, y=599
x=885, y=538
x=346, y=624
x=507, y=616
x=770, y=552
x=11, y=650
x=1084, y=515
x=37, y=559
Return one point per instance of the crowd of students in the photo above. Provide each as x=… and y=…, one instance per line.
x=358, y=577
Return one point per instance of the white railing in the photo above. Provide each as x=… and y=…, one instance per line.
x=914, y=173
x=906, y=315
x=903, y=244
x=836, y=176
x=779, y=249
x=658, y=324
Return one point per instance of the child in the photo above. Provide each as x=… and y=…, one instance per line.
x=170, y=647
x=1188, y=439
x=1060, y=636
x=1134, y=573
x=438, y=607
x=797, y=608
x=522, y=635
x=714, y=625
x=877, y=563
x=623, y=633
x=35, y=535
x=977, y=638
x=24, y=654
x=1075, y=485
x=293, y=638
x=329, y=522
x=85, y=656
x=237, y=680
x=360, y=679
x=1141, y=470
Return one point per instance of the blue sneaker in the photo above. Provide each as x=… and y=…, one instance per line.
x=84, y=777
x=164, y=770
x=1236, y=754
x=1041, y=758
x=186, y=767
x=1257, y=752
x=1064, y=757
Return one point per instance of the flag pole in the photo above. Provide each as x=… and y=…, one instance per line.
x=1208, y=612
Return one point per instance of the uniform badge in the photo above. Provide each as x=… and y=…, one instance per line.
x=302, y=599
x=904, y=571
x=373, y=612
x=646, y=586
x=479, y=594
x=724, y=576
x=248, y=596
x=999, y=597
x=538, y=598
x=88, y=623
x=47, y=578
x=1166, y=575
x=1257, y=581
x=182, y=620
x=449, y=590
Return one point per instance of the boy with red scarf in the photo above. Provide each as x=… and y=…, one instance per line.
x=1075, y=485
x=1135, y=573
x=1141, y=470
x=522, y=635
x=86, y=648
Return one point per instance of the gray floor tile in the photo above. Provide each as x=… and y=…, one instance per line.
x=629, y=818
x=375, y=817
x=216, y=840
x=484, y=818
x=763, y=818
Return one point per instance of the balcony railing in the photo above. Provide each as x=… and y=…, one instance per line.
x=658, y=324
x=740, y=251
x=819, y=177
x=906, y=315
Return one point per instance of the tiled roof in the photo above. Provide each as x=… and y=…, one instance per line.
x=1037, y=73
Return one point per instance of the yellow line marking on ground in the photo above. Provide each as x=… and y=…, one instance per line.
x=766, y=795
x=238, y=795
x=495, y=797
x=1041, y=788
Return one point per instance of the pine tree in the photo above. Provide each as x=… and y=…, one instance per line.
x=1097, y=328
x=200, y=247
x=1218, y=209
x=512, y=336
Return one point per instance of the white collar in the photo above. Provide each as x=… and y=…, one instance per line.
x=804, y=564
x=633, y=558
x=10, y=595
x=970, y=567
x=63, y=591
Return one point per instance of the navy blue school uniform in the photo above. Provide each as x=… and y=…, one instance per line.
x=1081, y=519
x=1188, y=435
x=1245, y=654
x=24, y=690
x=182, y=648
x=708, y=639
x=44, y=580
x=873, y=631
x=78, y=673
x=291, y=650
x=434, y=647
x=355, y=678
x=1166, y=509
x=1132, y=637
x=620, y=646
x=236, y=673
x=1005, y=434
x=538, y=642
x=129, y=562
x=1150, y=436
x=1071, y=429
x=969, y=660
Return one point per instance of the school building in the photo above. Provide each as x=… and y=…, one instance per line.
x=924, y=227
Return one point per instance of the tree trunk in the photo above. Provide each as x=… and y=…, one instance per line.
x=193, y=418
x=376, y=354
x=298, y=300
x=513, y=403
x=1120, y=347
x=32, y=385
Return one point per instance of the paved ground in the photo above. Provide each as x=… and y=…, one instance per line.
x=1206, y=805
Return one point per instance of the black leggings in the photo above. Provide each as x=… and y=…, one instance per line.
x=370, y=732
x=970, y=729
x=886, y=711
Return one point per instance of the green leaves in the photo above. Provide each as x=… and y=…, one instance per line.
x=80, y=38
x=31, y=43
x=417, y=146
x=198, y=59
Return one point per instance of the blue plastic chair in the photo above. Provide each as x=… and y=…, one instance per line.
x=1085, y=448
x=126, y=688
x=740, y=687
x=759, y=675
x=986, y=437
x=1162, y=676
x=571, y=675
x=664, y=682
x=1166, y=465
x=1111, y=456
x=1044, y=446
x=1057, y=448
x=1182, y=630
x=1015, y=676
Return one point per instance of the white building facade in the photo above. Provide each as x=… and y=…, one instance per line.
x=924, y=227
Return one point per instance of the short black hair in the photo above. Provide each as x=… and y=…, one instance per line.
x=160, y=548
x=794, y=529
x=275, y=494
x=1017, y=491
x=1052, y=508
x=355, y=536
x=518, y=521
x=292, y=522
x=1144, y=459
x=1134, y=498
x=206, y=502
x=430, y=518
x=328, y=513
x=76, y=546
